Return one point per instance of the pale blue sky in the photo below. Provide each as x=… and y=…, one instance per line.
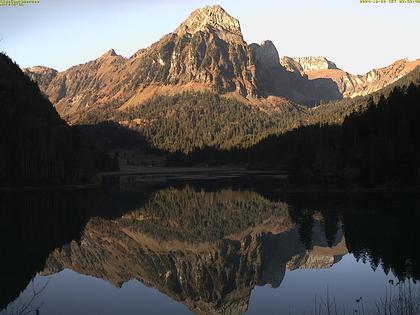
x=357, y=37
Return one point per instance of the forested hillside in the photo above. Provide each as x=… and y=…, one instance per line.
x=376, y=144
x=194, y=120
x=36, y=146
x=335, y=112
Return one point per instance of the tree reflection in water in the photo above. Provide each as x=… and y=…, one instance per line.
x=206, y=244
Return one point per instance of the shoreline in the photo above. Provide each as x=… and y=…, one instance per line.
x=212, y=172
x=176, y=171
x=349, y=190
x=48, y=188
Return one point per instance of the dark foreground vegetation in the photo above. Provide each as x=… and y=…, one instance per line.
x=36, y=146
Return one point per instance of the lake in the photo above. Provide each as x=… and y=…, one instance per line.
x=206, y=245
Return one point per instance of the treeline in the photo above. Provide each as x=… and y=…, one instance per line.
x=376, y=145
x=36, y=146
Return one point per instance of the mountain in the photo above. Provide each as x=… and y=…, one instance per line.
x=207, y=52
x=349, y=85
x=78, y=88
x=203, y=86
x=37, y=146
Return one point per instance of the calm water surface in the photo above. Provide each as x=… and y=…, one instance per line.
x=208, y=246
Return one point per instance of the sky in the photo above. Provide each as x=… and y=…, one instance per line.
x=357, y=37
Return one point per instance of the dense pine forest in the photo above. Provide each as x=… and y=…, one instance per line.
x=193, y=120
x=36, y=145
x=377, y=143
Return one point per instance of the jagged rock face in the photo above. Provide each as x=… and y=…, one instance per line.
x=266, y=54
x=348, y=84
x=304, y=64
x=42, y=75
x=275, y=79
x=214, y=18
x=206, y=52
x=214, y=277
x=202, y=57
x=377, y=79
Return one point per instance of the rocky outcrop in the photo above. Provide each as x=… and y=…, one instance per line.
x=42, y=75
x=213, y=18
x=275, y=79
x=266, y=54
x=306, y=64
x=207, y=50
x=377, y=79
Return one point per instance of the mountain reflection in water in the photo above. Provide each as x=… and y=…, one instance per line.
x=206, y=243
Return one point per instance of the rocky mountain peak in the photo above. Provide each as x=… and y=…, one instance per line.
x=265, y=54
x=109, y=53
x=210, y=18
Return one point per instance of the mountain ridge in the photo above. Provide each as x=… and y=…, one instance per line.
x=205, y=52
x=232, y=92
x=349, y=85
